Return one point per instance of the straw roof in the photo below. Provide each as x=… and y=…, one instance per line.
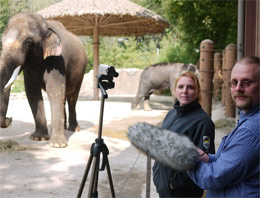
x=113, y=17
x=104, y=18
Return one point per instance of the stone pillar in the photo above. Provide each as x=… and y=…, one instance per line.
x=206, y=74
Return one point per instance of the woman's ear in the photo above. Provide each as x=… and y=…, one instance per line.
x=52, y=44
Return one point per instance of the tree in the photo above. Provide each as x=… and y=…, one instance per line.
x=192, y=21
x=199, y=20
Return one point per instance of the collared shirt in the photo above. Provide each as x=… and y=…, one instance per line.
x=234, y=170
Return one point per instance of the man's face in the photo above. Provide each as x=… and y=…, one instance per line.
x=245, y=85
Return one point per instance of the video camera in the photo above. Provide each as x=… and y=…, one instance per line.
x=107, y=70
x=105, y=78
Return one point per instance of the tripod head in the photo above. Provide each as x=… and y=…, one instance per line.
x=105, y=78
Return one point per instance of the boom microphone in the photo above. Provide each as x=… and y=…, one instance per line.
x=167, y=147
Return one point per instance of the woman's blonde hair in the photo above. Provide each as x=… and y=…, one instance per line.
x=194, y=78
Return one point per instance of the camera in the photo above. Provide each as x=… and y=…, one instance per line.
x=107, y=70
x=105, y=78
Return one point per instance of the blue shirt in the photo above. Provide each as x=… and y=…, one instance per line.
x=234, y=171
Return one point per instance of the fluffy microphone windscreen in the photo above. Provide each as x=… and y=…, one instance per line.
x=167, y=147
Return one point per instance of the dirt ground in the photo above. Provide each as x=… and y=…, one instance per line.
x=39, y=171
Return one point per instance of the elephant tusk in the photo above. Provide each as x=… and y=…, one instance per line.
x=12, y=79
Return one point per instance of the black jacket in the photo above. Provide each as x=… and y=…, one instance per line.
x=192, y=121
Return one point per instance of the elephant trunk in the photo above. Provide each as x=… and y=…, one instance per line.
x=8, y=74
x=4, y=100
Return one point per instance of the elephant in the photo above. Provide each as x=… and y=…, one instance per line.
x=51, y=59
x=159, y=77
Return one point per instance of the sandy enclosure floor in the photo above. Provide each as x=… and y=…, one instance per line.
x=41, y=171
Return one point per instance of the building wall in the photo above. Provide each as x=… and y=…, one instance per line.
x=252, y=28
x=258, y=29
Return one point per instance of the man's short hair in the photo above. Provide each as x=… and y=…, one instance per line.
x=250, y=60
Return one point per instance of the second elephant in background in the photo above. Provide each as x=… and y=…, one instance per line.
x=159, y=77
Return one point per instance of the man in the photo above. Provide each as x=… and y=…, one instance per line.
x=234, y=171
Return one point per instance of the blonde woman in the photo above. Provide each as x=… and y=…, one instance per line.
x=187, y=118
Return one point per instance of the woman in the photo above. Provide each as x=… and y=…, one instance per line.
x=189, y=119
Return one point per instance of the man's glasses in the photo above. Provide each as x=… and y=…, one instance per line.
x=243, y=83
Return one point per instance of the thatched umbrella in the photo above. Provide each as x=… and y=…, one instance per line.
x=104, y=18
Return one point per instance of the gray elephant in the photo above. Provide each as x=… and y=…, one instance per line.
x=52, y=59
x=159, y=77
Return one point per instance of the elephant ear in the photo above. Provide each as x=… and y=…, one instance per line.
x=52, y=44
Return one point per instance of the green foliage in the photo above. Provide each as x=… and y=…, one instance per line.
x=4, y=16
x=3, y=13
x=123, y=52
x=126, y=54
x=200, y=20
x=18, y=85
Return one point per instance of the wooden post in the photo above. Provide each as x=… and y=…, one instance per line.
x=230, y=62
x=217, y=76
x=148, y=176
x=96, y=60
x=206, y=74
x=223, y=98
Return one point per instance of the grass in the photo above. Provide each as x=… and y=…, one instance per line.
x=10, y=145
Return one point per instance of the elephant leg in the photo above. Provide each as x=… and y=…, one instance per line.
x=172, y=92
x=73, y=124
x=58, y=139
x=55, y=88
x=34, y=96
x=143, y=91
x=147, y=106
x=136, y=101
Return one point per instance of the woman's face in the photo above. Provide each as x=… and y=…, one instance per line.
x=185, y=90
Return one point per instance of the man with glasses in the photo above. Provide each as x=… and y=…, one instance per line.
x=234, y=171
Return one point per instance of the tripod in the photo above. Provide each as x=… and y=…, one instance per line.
x=98, y=147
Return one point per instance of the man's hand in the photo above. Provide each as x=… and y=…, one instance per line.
x=171, y=187
x=203, y=156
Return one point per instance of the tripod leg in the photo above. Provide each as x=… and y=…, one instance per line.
x=92, y=192
x=85, y=176
x=110, y=180
x=95, y=187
